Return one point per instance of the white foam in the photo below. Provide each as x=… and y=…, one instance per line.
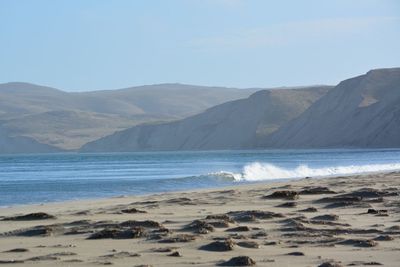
x=257, y=171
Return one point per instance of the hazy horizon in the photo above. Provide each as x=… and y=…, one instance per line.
x=101, y=45
x=177, y=83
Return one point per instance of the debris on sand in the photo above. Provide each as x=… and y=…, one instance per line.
x=40, y=230
x=259, y=234
x=225, y=245
x=378, y=212
x=347, y=204
x=340, y=198
x=132, y=210
x=114, y=233
x=145, y=224
x=384, y=238
x=317, y=190
x=284, y=194
x=296, y=253
x=248, y=244
x=364, y=263
x=223, y=217
x=365, y=243
x=178, y=238
x=180, y=201
x=293, y=225
x=287, y=205
x=44, y=258
x=370, y=193
x=163, y=250
x=175, y=254
x=239, y=261
x=16, y=250
x=199, y=227
x=330, y=264
x=239, y=229
x=122, y=254
x=11, y=261
x=310, y=209
x=252, y=215
x=30, y=217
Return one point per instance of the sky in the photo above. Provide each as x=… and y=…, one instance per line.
x=77, y=45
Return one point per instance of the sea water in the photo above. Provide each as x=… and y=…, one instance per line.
x=40, y=178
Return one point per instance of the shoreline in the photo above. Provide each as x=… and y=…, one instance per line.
x=192, y=190
x=313, y=221
x=160, y=194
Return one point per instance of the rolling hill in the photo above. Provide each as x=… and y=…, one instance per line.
x=232, y=125
x=69, y=120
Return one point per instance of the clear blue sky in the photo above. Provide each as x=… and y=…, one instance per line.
x=86, y=45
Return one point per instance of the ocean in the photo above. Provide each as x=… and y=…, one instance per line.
x=41, y=178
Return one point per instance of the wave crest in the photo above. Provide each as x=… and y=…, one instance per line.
x=257, y=171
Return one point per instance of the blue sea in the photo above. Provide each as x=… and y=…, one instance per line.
x=40, y=178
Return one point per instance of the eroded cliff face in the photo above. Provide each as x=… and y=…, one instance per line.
x=360, y=112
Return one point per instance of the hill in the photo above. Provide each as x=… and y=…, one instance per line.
x=21, y=144
x=361, y=112
x=69, y=120
x=232, y=125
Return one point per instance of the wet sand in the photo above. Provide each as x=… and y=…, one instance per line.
x=341, y=221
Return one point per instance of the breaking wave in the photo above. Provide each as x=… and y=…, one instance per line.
x=265, y=171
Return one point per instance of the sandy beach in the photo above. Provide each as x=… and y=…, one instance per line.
x=341, y=221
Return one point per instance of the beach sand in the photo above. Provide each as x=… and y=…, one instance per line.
x=341, y=221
